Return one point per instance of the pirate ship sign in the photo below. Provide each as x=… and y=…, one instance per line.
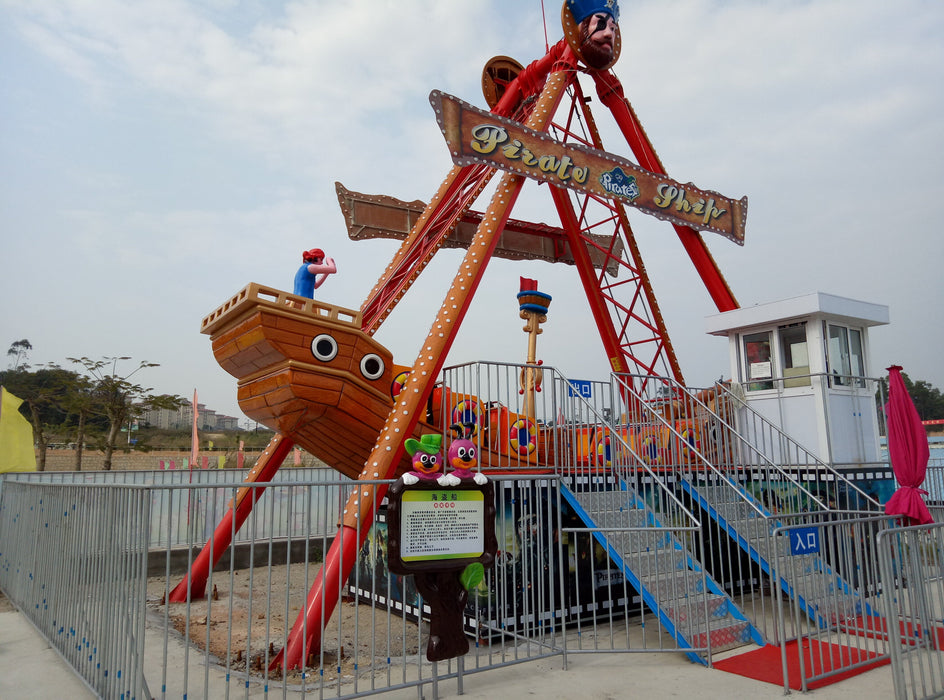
x=476, y=137
x=441, y=529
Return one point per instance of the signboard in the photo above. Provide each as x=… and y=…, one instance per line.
x=475, y=136
x=445, y=537
x=760, y=370
x=804, y=540
x=440, y=528
x=580, y=387
x=441, y=525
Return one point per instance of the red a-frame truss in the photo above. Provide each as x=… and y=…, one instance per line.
x=548, y=96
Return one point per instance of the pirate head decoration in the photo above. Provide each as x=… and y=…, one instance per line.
x=592, y=31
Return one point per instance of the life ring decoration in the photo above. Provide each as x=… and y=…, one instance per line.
x=603, y=449
x=691, y=441
x=465, y=412
x=650, y=449
x=399, y=381
x=523, y=437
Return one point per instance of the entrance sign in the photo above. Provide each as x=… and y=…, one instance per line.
x=580, y=387
x=804, y=540
x=475, y=136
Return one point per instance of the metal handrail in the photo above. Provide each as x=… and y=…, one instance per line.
x=817, y=462
x=640, y=463
x=706, y=462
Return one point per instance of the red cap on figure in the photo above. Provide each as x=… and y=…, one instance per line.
x=313, y=255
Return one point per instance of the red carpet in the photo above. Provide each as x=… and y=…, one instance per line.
x=765, y=664
x=877, y=627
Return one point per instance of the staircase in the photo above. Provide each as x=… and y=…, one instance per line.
x=808, y=579
x=795, y=490
x=690, y=605
x=641, y=460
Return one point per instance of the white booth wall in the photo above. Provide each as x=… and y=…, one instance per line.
x=804, y=364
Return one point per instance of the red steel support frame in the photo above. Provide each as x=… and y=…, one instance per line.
x=610, y=92
x=611, y=341
x=305, y=636
x=615, y=319
x=194, y=584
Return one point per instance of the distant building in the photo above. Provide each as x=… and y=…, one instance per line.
x=182, y=418
x=227, y=423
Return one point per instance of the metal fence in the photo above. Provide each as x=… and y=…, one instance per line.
x=934, y=485
x=174, y=523
x=73, y=559
x=830, y=595
x=911, y=562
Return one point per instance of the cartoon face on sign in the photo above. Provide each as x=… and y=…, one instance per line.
x=426, y=458
x=462, y=457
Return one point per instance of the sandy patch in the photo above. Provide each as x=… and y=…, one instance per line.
x=241, y=623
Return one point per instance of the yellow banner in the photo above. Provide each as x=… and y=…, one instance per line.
x=16, y=436
x=475, y=136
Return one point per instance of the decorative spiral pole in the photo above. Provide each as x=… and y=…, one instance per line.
x=532, y=307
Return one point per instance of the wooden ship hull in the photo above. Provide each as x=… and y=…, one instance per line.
x=306, y=370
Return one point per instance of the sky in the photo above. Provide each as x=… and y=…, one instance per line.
x=156, y=157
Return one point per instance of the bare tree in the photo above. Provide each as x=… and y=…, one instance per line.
x=19, y=351
x=118, y=399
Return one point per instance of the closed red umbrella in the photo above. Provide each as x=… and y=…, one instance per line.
x=908, y=451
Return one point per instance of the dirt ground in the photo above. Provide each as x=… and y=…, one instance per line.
x=239, y=623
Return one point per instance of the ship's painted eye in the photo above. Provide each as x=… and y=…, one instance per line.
x=324, y=347
x=372, y=366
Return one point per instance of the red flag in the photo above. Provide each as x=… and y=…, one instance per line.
x=194, y=436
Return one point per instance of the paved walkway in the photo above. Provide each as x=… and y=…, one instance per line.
x=31, y=670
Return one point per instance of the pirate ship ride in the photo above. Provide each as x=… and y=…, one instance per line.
x=307, y=370
x=313, y=373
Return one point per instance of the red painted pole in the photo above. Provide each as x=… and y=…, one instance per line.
x=194, y=584
x=305, y=635
x=323, y=596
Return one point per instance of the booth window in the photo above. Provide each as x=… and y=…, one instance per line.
x=757, y=358
x=846, y=364
x=794, y=356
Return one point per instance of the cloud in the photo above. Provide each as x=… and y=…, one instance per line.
x=175, y=151
x=298, y=85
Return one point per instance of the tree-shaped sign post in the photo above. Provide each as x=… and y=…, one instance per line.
x=442, y=531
